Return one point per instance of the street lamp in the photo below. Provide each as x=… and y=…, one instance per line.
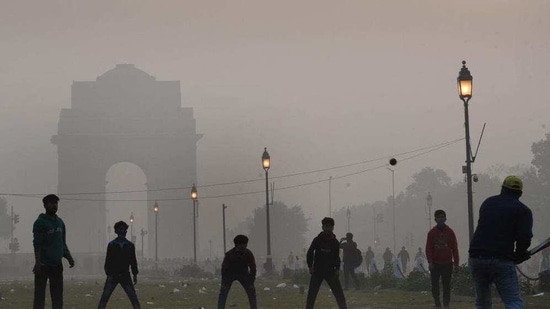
x=156, y=210
x=429, y=202
x=266, y=163
x=132, y=227
x=223, y=220
x=464, y=82
x=393, y=203
x=194, y=196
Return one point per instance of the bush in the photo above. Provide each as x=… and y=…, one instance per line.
x=462, y=283
x=416, y=281
x=192, y=271
x=384, y=279
x=301, y=276
x=154, y=273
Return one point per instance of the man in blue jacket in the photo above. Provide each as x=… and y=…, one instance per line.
x=49, y=248
x=501, y=239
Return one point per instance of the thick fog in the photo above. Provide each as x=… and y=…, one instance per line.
x=321, y=84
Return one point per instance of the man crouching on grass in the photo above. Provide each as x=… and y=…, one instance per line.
x=238, y=264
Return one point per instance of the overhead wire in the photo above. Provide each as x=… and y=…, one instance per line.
x=430, y=149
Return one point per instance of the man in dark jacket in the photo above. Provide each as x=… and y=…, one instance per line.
x=323, y=260
x=349, y=249
x=121, y=256
x=49, y=236
x=238, y=264
x=501, y=239
x=442, y=254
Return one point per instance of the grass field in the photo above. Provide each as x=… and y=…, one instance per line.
x=173, y=294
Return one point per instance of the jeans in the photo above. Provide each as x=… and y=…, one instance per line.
x=55, y=275
x=333, y=282
x=443, y=271
x=502, y=273
x=246, y=280
x=110, y=284
x=350, y=271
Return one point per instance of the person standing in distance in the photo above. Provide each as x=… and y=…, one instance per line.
x=501, y=239
x=323, y=261
x=50, y=247
x=348, y=249
x=120, y=257
x=442, y=253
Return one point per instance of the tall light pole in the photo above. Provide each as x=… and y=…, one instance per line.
x=393, y=203
x=194, y=196
x=464, y=81
x=223, y=224
x=266, y=163
x=429, y=202
x=132, y=227
x=156, y=210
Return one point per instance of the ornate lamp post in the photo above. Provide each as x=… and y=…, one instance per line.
x=132, y=227
x=156, y=210
x=194, y=196
x=266, y=164
x=464, y=82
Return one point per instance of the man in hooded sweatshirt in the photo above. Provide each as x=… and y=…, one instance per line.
x=442, y=254
x=49, y=248
x=323, y=260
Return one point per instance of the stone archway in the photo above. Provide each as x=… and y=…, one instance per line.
x=126, y=115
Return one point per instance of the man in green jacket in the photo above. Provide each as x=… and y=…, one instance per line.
x=49, y=248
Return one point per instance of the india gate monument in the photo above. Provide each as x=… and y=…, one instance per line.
x=126, y=115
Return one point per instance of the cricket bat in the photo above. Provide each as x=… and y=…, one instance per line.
x=540, y=247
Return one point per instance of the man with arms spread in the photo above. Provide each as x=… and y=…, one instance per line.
x=49, y=248
x=501, y=239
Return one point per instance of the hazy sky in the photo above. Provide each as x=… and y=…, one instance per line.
x=320, y=83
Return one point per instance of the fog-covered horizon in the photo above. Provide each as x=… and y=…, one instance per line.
x=319, y=84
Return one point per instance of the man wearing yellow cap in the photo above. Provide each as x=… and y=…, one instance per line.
x=501, y=239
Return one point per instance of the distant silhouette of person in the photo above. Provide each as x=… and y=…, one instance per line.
x=349, y=248
x=403, y=255
x=290, y=260
x=238, y=264
x=323, y=260
x=442, y=254
x=545, y=262
x=369, y=257
x=388, y=257
x=120, y=258
x=50, y=247
x=419, y=254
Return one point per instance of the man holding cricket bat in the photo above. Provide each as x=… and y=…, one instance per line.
x=501, y=239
